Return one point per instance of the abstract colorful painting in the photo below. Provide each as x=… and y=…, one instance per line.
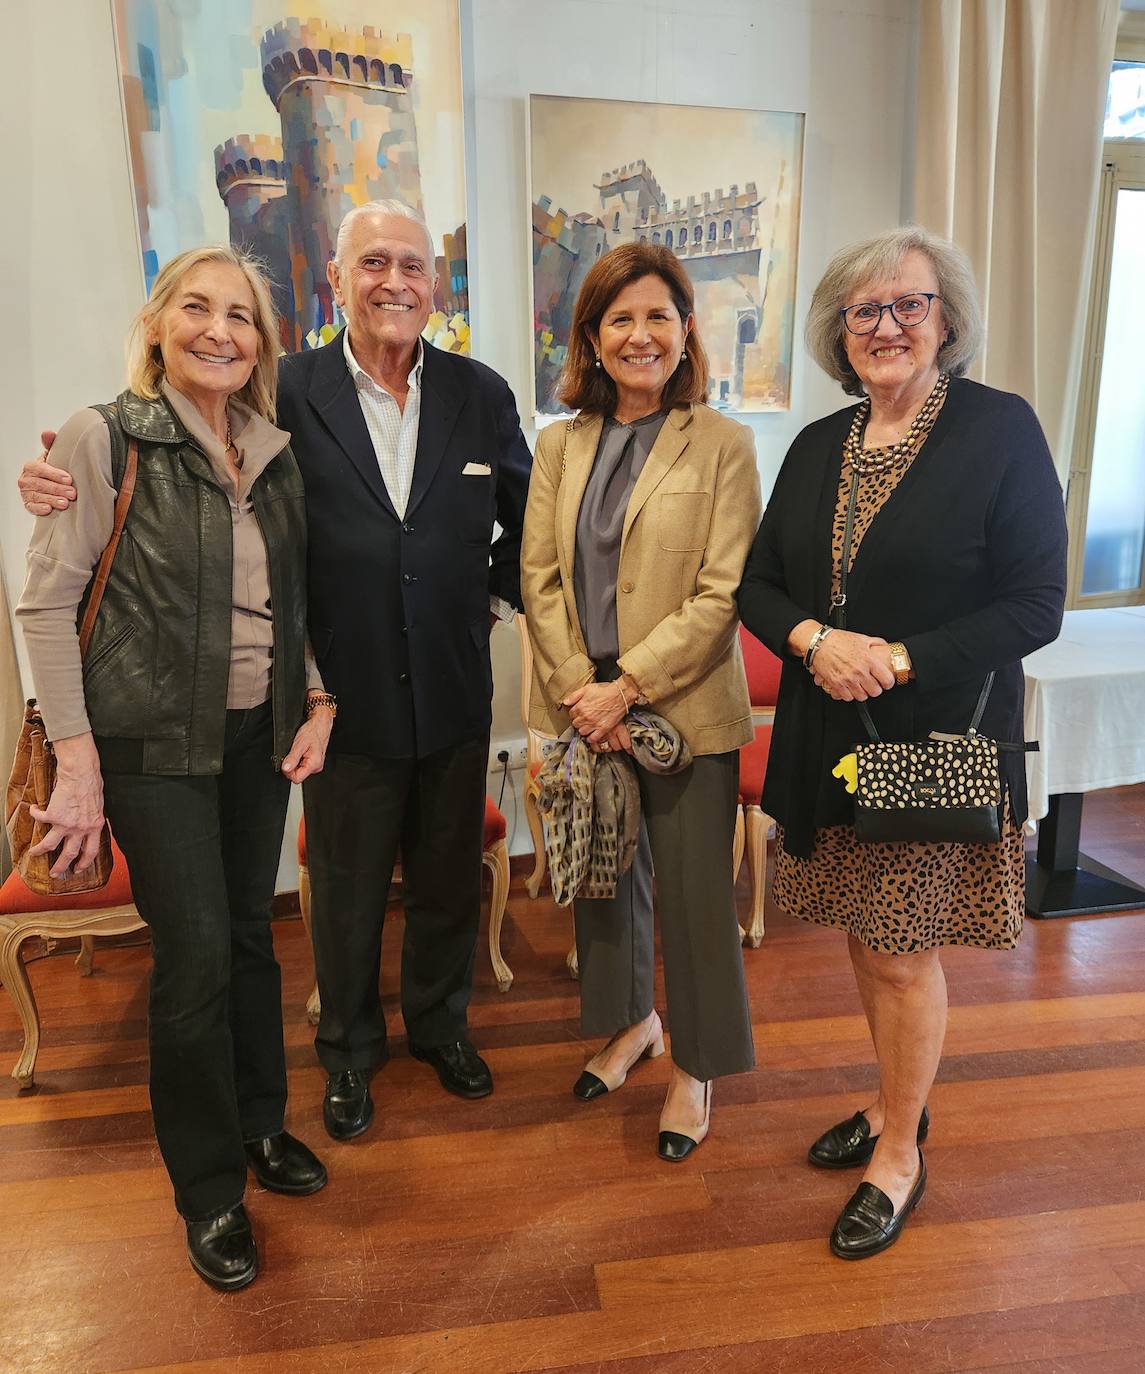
x=263, y=122
x=721, y=188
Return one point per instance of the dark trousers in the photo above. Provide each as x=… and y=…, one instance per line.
x=203, y=854
x=688, y=823
x=360, y=812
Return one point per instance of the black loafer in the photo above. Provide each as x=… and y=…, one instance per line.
x=347, y=1108
x=283, y=1164
x=222, y=1250
x=869, y=1223
x=459, y=1066
x=851, y=1142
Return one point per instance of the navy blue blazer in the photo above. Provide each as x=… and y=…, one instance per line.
x=965, y=564
x=399, y=608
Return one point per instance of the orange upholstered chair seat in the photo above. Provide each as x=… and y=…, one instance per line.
x=763, y=670
x=18, y=899
x=110, y=910
x=753, y=766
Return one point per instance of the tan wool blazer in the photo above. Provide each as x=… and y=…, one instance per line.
x=690, y=522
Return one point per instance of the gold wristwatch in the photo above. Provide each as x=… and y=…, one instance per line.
x=901, y=664
x=316, y=699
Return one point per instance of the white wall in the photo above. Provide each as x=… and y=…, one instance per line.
x=70, y=263
x=846, y=63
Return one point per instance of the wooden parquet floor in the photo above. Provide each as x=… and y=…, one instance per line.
x=532, y=1232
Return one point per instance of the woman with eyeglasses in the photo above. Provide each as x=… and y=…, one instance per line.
x=956, y=565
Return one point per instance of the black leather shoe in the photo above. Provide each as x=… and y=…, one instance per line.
x=459, y=1066
x=869, y=1223
x=851, y=1142
x=347, y=1108
x=222, y=1250
x=283, y=1164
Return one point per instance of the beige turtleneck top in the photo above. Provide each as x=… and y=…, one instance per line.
x=66, y=546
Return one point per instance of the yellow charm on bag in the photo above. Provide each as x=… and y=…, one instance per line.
x=847, y=769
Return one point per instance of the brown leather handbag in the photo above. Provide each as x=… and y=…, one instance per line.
x=34, y=768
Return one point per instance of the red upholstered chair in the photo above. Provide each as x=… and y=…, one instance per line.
x=495, y=857
x=763, y=672
x=108, y=911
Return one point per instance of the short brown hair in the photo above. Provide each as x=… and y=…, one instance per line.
x=877, y=259
x=583, y=385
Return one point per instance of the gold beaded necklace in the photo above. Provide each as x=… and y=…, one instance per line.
x=864, y=461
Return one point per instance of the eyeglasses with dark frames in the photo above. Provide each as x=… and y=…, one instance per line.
x=908, y=310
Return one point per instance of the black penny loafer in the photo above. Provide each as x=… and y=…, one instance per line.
x=851, y=1142
x=869, y=1224
x=347, y=1108
x=222, y=1250
x=282, y=1164
x=459, y=1066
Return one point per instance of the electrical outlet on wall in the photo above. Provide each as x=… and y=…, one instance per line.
x=515, y=752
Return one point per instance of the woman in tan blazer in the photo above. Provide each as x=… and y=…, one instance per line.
x=641, y=512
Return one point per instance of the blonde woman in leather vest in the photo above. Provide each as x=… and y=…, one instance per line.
x=186, y=721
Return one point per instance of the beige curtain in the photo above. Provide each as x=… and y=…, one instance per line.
x=1011, y=95
x=11, y=710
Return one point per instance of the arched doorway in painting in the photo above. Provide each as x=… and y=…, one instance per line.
x=745, y=334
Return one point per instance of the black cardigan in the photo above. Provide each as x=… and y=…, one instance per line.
x=965, y=564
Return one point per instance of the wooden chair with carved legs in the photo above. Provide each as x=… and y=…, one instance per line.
x=494, y=857
x=108, y=911
x=752, y=825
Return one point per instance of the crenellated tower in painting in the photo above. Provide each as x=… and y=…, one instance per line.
x=251, y=175
x=348, y=136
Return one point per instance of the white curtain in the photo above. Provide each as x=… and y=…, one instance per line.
x=1011, y=96
x=11, y=709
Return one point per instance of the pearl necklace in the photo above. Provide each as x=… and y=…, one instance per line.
x=865, y=461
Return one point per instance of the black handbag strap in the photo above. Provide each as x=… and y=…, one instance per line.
x=838, y=617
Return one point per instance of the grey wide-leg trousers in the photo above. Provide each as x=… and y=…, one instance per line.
x=688, y=822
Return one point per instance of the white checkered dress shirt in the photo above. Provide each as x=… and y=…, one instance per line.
x=392, y=428
x=393, y=433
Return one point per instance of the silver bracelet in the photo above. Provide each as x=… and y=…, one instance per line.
x=816, y=639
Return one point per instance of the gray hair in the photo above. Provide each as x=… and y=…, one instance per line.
x=383, y=207
x=879, y=258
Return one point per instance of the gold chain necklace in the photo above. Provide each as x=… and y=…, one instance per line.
x=883, y=459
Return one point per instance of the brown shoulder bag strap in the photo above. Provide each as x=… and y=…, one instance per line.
x=103, y=570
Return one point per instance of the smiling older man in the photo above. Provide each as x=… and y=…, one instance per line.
x=408, y=454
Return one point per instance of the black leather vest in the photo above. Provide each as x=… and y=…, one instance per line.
x=158, y=665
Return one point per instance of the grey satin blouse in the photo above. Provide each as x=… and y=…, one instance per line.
x=620, y=457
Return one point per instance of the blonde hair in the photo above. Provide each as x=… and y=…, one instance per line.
x=878, y=259
x=145, y=370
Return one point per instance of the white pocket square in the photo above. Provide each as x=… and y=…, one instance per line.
x=476, y=470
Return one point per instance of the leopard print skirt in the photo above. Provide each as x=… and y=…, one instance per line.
x=899, y=898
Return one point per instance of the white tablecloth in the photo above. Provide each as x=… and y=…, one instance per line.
x=1085, y=703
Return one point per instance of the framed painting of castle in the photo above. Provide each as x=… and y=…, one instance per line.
x=720, y=187
x=262, y=123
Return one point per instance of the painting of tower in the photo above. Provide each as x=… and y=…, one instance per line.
x=738, y=246
x=340, y=122
x=250, y=173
